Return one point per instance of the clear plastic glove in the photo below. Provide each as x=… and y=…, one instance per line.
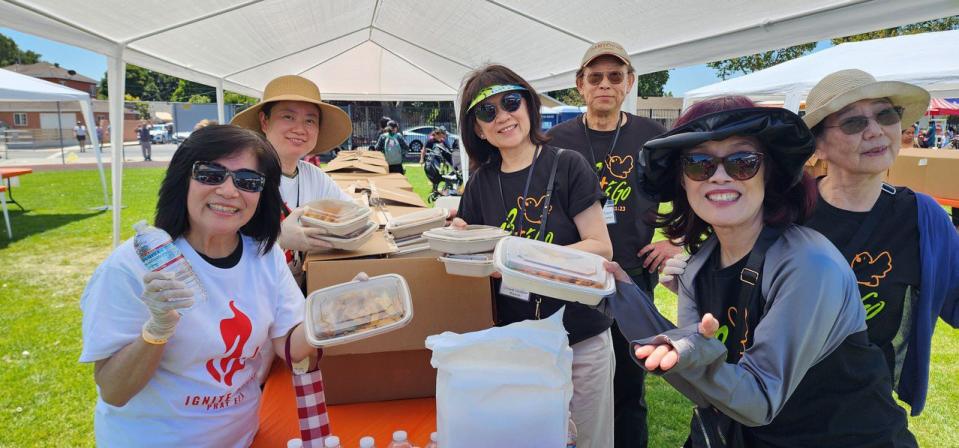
x=163, y=296
x=664, y=357
x=295, y=236
x=673, y=268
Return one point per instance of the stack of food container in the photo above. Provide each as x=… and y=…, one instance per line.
x=357, y=310
x=553, y=271
x=407, y=230
x=468, y=250
x=346, y=224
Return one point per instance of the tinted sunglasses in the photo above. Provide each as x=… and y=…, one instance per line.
x=739, y=166
x=595, y=78
x=510, y=102
x=854, y=125
x=211, y=173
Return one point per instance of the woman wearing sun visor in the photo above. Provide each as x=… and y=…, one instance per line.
x=771, y=344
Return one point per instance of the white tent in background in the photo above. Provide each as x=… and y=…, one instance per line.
x=919, y=59
x=420, y=49
x=23, y=88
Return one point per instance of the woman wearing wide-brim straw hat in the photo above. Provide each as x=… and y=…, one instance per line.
x=900, y=243
x=296, y=121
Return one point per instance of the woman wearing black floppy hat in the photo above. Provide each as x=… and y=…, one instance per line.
x=771, y=343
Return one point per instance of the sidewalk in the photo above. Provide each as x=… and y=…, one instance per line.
x=51, y=159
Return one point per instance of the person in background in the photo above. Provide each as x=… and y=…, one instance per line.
x=900, y=243
x=909, y=137
x=611, y=141
x=146, y=140
x=80, y=133
x=500, y=121
x=167, y=375
x=392, y=144
x=100, y=138
x=771, y=344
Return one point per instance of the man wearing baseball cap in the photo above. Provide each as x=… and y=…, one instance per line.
x=611, y=140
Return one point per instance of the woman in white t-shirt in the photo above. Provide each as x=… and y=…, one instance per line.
x=171, y=379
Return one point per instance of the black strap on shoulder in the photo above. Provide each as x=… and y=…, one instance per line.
x=751, y=275
x=549, y=194
x=869, y=224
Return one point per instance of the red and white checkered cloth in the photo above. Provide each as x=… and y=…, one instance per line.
x=311, y=408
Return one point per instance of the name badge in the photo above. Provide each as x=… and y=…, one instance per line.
x=513, y=292
x=609, y=212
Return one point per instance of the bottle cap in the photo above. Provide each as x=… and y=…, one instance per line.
x=366, y=442
x=294, y=443
x=399, y=436
x=433, y=436
x=141, y=226
x=332, y=442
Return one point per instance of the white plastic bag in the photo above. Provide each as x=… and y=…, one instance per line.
x=505, y=386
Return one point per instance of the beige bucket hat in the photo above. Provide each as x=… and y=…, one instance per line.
x=840, y=89
x=335, y=125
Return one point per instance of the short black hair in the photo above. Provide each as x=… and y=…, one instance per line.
x=209, y=144
x=481, y=151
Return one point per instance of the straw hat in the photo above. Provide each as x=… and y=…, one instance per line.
x=335, y=125
x=840, y=89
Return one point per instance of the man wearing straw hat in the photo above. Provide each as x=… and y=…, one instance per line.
x=298, y=123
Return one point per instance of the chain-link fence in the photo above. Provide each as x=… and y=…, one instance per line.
x=411, y=117
x=665, y=117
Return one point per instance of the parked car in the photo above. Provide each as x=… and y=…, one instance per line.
x=179, y=137
x=417, y=136
x=158, y=134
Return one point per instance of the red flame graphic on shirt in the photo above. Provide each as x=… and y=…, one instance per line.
x=235, y=332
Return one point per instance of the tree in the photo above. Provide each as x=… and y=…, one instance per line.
x=747, y=64
x=236, y=98
x=649, y=84
x=199, y=99
x=147, y=85
x=142, y=109
x=188, y=89
x=11, y=54
x=944, y=24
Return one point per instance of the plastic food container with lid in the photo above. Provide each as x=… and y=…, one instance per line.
x=339, y=218
x=473, y=239
x=477, y=265
x=552, y=270
x=417, y=222
x=354, y=240
x=348, y=312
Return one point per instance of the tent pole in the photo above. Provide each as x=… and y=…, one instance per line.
x=464, y=157
x=63, y=159
x=86, y=108
x=220, y=113
x=629, y=104
x=116, y=78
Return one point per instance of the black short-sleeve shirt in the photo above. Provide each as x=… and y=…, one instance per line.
x=575, y=190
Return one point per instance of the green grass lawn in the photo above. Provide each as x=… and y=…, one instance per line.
x=47, y=397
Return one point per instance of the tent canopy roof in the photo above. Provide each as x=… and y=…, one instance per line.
x=17, y=87
x=918, y=59
x=420, y=50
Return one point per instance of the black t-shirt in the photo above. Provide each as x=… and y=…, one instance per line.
x=717, y=292
x=886, y=267
x=618, y=171
x=575, y=190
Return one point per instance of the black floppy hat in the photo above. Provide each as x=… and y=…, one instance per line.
x=786, y=140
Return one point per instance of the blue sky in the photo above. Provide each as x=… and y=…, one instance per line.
x=94, y=65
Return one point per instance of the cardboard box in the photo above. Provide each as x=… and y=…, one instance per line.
x=379, y=244
x=930, y=171
x=395, y=365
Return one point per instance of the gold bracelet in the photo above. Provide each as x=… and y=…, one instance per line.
x=150, y=339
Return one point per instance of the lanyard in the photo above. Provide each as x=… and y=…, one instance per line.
x=592, y=157
x=522, y=205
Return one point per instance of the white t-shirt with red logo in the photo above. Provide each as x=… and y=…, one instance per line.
x=204, y=393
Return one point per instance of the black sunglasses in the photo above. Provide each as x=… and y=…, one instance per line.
x=595, y=78
x=854, y=125
x=739, y=166
x=510, y=102
x=211, y=173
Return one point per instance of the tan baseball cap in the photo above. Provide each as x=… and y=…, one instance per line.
x=605, y=48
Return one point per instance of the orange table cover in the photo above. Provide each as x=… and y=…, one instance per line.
x=349, y=422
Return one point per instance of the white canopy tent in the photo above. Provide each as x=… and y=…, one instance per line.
x=420, y=50
x=918, y=59
x=17, y=87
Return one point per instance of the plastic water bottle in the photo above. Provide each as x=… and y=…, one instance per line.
x=332, y=442
x=571, y=435
x=367, y=442
x=433, y=441
x=158, y=253
x=399, y=440
x=294, y=443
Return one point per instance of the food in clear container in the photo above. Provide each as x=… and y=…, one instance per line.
x=417, y=222
x=552, y=270
x=472, y=239
x=336, y=217
x=472, y=265
x=357, y=310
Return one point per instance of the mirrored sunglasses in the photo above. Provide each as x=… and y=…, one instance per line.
x=739, y=166
x=510, y=102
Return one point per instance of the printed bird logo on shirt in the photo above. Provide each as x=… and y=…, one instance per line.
x=869, y=269
x=235, y=332
x=532, y=208
x=620, y=167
